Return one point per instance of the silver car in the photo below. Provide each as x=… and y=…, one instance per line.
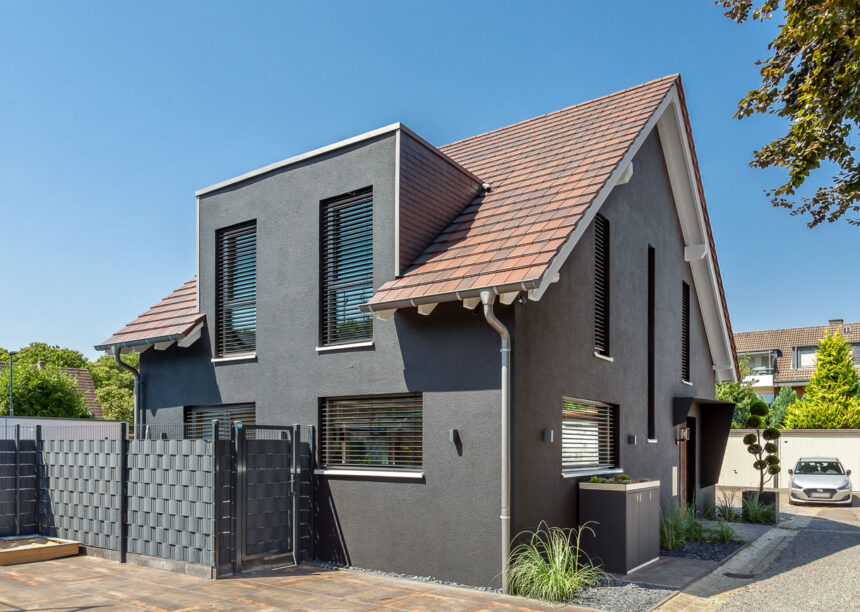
x=819, y=480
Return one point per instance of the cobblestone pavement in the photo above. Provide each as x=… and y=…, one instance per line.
x=88, y=583
x=812, y=562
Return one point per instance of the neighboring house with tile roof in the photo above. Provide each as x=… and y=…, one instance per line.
x=366, y=288
x=85, y=385
x=786, y=357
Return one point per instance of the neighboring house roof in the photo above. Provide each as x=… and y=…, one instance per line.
x=173, y=319
x=785, y=340
x=85, y=385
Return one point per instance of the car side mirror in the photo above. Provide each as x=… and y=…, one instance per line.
x=790, y=471
x=848, y=473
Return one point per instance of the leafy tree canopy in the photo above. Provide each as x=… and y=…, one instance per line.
x=830, y=401
x=45, y=393
x=810, y=80
x=741, y=393
x=51, y=355
x=115, y=386
x=786, y=397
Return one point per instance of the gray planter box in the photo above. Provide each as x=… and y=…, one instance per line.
x=626, y=524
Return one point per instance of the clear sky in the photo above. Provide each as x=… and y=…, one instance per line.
x=113, y=113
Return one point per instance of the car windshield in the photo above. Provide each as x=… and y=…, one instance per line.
x=821, y=468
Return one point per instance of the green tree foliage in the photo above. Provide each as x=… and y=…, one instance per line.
x=741, y=393
x=762, y=444
x=45, y=393
x=51, y=355
x=810, y=80
x=115, y=386
x=786, y=397
x=830, y=401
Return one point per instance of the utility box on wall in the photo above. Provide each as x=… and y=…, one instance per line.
x=626, y=523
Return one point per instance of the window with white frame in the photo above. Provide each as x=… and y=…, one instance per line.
x=379, y=432
x=588, y=436
x=805, y=357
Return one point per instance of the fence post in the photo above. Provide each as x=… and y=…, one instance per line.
x=312, y=457
x=17, y=431
x=37, y=465
x=297, y=491
x=124, y=448
x=240, y=495
x=216, y=499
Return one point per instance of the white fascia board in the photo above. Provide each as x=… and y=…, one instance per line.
x=694, y=252
x=566, y=249
x=426, y=309
x=679, y=162
x=197, y=298
x=163, y=346
x=191, y=337
x=298, y=158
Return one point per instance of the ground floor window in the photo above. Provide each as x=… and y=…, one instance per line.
x=198, y=419
x=588, y=436
x=382, y=432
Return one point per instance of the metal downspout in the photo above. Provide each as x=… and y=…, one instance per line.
x=136, y=374
x=487, y=298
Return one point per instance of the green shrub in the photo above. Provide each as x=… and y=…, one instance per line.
x=551, y=566
x=726, y=509
x=692, y=527
x=673, y=532
x=723, y=533
x=756, y=511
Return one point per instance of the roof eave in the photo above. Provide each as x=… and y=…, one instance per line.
x=453, y=296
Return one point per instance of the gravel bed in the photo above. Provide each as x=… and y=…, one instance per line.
x=427, y=579
x=617, y=595
x=705, y=551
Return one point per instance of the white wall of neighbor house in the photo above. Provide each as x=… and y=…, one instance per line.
x=844, y=444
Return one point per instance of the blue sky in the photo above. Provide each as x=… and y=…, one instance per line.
x=113, y=113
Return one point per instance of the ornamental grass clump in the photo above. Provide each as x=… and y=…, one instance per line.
x=723, y=533
x=551, y=566
x=756, y=511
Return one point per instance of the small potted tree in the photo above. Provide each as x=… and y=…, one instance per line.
x=762, y=446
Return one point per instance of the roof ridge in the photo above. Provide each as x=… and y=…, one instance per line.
x=778, y=329
x=673, y=77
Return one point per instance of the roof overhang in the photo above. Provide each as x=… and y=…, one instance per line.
x=714, y=425
x=139, y=345
x=671, y=124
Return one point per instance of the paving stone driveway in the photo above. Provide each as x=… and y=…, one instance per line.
x=88, y=583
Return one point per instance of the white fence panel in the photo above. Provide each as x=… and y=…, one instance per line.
x=737, y=468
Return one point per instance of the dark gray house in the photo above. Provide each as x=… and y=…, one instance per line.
x=367, y=287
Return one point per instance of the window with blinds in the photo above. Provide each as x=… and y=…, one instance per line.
x=685, y=331
x=588, y=436
x=346, y=268
x=601, y=285
x=236, y=289
x=198, y=419
x=372, y=432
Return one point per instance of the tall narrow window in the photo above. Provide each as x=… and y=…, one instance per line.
x=601, y=285
x=236, y=289
x=588, y=436
x=652, y=425
x=346, y=268
x=372, y=432
x=685, y=332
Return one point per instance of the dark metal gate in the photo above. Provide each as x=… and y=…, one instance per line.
x=267, y=494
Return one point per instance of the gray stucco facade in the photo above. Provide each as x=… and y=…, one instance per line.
x=446, y=523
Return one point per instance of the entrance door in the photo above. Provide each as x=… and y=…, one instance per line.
x=688, y=463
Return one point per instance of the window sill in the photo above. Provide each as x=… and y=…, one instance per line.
x=687, y=382
x=591, y=473
x=344, y=347
x=248, y=357
x=371, y=474
x=604, y=357
x=650, y=440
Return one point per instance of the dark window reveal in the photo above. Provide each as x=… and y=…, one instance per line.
x=652, y=425
x=236, y=289
x=685, y=331
x=601, y=285
x=346, y=268
x=372, y=432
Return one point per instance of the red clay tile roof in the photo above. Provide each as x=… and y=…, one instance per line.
x=172, y=318
x=544, y=173
x=87, y=388
x=786, y=339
